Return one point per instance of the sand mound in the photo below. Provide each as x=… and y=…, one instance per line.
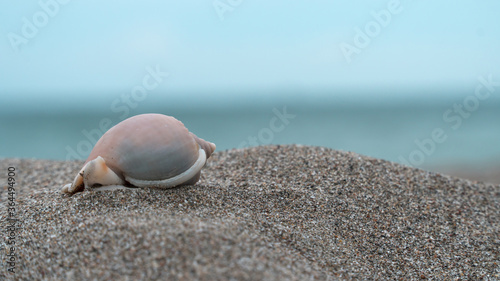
x=272, y=213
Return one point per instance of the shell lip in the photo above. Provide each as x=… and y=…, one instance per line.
x=176, y=180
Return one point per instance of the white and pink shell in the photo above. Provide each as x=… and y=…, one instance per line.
x=148, y=150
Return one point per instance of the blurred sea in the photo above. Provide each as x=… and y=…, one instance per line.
x=397, y=130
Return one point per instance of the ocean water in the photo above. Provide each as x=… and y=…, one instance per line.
x=421, y=134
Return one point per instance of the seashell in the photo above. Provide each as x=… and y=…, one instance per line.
x=147, y=150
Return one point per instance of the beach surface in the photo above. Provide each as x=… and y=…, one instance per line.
x=265, y=213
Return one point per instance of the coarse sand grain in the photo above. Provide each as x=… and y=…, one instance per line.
x=265, y=213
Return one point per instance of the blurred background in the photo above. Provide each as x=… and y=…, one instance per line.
x=413, y=82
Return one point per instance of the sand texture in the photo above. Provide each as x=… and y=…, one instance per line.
x=265, y=213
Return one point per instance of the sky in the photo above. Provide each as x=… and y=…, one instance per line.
x=60, y=50
x=90, y=56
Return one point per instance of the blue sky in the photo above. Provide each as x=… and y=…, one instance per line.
x=100, y=47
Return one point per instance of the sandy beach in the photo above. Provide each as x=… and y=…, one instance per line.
x=265, y=213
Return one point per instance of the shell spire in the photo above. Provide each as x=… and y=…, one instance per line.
x=207, y=146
